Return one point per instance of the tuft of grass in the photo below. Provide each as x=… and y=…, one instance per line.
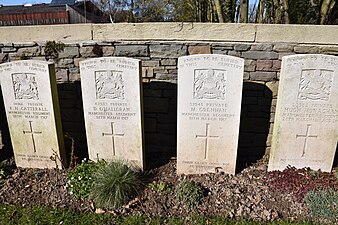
x=115, y=184
x=323, y=204
x=189, y=194
x=81, y=179
x=13, y=215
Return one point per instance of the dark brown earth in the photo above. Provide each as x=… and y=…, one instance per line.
x=245, y=195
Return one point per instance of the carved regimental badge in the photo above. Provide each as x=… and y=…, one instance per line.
x=25, y=86
x=209, y=84
x=109, y=84
x=315, y=84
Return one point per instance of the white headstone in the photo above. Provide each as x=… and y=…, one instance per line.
x=32, y=108
x=111, y=90
x=306, y=124
x=209, y=104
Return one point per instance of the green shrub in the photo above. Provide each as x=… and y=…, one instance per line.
x=189, y=193
x=323, y=204
x=115, y=185
x=160, y=187
x=52, y=48
x=81, y=179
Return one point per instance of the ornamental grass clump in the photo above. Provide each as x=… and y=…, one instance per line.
x=189, y=193
x=115, y=185
x=323, y=204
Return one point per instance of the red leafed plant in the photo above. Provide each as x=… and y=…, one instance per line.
x=301, y=181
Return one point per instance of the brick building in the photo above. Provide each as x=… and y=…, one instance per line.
x=57, y=12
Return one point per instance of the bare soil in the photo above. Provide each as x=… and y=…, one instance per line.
x=244, y=195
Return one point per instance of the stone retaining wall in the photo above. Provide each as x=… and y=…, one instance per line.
x=159, y=71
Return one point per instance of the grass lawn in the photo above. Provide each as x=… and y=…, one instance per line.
x=40, y=215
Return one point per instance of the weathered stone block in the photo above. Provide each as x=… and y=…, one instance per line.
x=65, y=62
x=131, y=50
x=281, y=55
x=261, y=47
x=77, y=61
x=30, y=51
x=263, y=76
x=259, y=55
x=234, y=53
x=24, y=44
x=108, y=50
x=87, y=51
x=273, y=87
x=246, y=76
x=147, y=72
x=168, y=62
x=199, y=50
x=166, y=76
x=69, y=52
x=3, y=57
x=306, y=49
x=264, y=65
x=276, y=65
x=151, y=63
x=8, y=49
x=220, y=51
x=249, y=65
x=283, y=47
x=167, y=51
x=242, y=47
x=62, y=75
x=332, y=50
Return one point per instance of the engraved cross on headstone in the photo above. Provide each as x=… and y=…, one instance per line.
x=306, y=136
x=206, y=137
x=32, y=133
x=113, y=135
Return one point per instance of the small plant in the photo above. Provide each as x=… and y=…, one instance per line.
x=52, y=48
x=81, y=179
x=2, y=171
x=115, y=185
x=160, y=187
x=189, y=193
x=300, y=181
x=323, y=204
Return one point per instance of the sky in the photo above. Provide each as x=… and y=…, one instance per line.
x=22, y=2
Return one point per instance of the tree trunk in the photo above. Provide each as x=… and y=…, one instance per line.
x=260, y=11
x=277, y=12
x=219, y=11
x=244, y=6
x=286, y=11
x=324, y=10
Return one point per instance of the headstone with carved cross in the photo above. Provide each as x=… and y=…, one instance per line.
x=209, y=105
x=306, y=123
x=111, y=90
x=31, y=102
